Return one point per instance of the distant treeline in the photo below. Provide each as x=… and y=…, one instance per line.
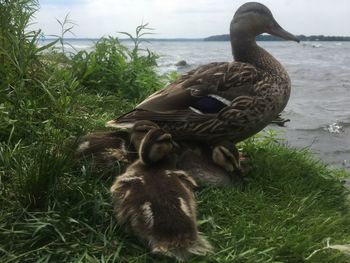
x=273, y=38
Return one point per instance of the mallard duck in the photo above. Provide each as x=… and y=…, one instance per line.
x=223, y=101
x=155, y=201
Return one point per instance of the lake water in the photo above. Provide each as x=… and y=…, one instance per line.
x=319, y=106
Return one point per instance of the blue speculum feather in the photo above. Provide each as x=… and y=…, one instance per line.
x=208, y=105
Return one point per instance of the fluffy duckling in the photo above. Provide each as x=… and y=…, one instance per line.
x=218, y=166
x=111, y=150
x=139, y=130
x=156, y=202
x=107, y=150
x=198, y=161
x=226, y=155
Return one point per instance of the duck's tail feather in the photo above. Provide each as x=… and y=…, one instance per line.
x=127, y=120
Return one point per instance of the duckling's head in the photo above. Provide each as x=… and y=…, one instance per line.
x=139, y=131
x=156, y=145
x=252, y=19
x=227, y=157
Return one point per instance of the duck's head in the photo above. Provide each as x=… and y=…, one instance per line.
x=139, y=131
x=252, y=19
x=156, y=145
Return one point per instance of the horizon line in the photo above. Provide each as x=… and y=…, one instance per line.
x=51, y=37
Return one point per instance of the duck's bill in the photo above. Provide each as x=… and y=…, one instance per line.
x=278, y=31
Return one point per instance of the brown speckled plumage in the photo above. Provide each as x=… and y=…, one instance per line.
x=155, y=201
x=249, y=92
x=109, y=152
x=196, y=159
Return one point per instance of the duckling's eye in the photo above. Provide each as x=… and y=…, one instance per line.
x=143, y=129
x=164, y=141
x=164, y=138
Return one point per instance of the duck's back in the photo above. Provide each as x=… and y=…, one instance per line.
x=228, y=99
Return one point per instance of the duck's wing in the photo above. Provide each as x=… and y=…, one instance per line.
x=197, y=95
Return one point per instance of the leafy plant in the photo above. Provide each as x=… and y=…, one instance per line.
x=67, y=26
x=50, y=95
x=112, y=68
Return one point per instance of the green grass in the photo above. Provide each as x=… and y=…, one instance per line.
x=53, y=209
x=290, y=206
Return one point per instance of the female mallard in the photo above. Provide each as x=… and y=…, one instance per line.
x=155, y=201
x=224, y=101
x=230, y=100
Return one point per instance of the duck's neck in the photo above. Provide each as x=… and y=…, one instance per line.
x=245, y=49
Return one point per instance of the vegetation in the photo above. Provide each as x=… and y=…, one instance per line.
x=55, y=210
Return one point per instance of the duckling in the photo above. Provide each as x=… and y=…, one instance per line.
x=224, y=154
x=209, y=167
x=111, y=150
x=107, y=150
x=155, y=201
x=139, y=130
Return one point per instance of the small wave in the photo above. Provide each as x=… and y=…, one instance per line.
x=341, y=151
x=82, y=46
x=318, y=129
x=314, y=45
x=335, y=128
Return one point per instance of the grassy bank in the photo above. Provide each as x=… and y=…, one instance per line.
x=55, y=210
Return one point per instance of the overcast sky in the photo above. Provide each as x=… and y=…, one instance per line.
x=189, y=18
